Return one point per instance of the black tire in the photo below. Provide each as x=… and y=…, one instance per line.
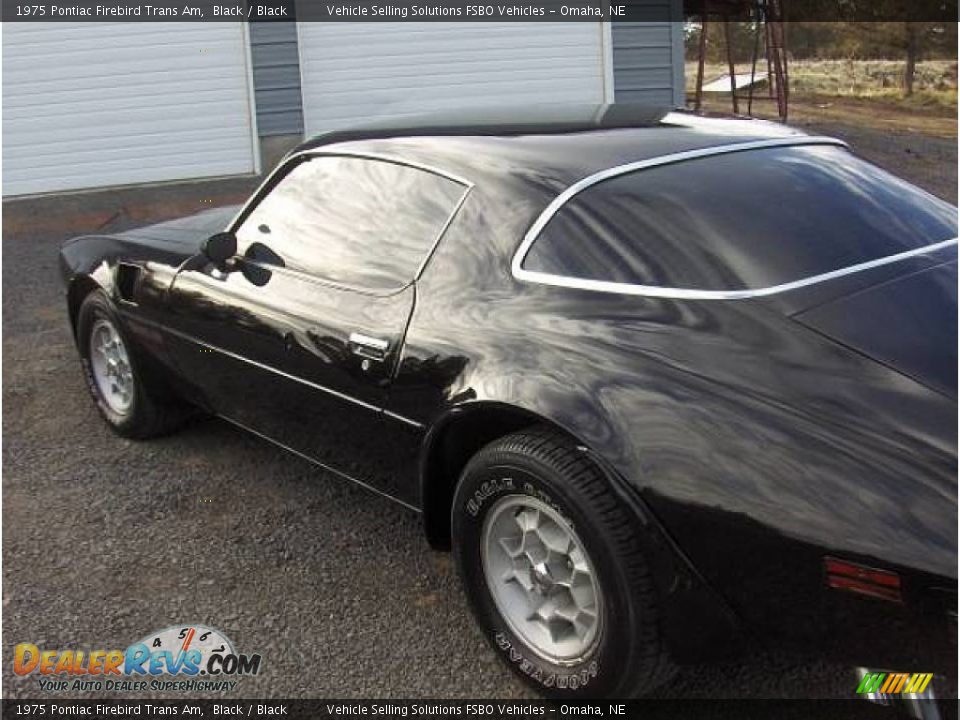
x=153, y=411
x=627, y=657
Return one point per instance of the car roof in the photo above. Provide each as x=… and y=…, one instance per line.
x=563, y=143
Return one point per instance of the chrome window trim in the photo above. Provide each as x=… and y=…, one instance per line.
x=443, y=231
x=325, y=282
x=688, y=293
x=281, y=169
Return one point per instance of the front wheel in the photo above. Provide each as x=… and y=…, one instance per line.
x=550, y=561
x=133, y=404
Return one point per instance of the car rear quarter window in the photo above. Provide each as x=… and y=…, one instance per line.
x=364, y=223
x=739, y=221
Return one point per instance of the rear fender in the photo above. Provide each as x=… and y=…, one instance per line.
x=696, y=621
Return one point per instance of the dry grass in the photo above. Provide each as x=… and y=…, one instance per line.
x=874, y=113
x=935, y=83
x=825, y=82
x=858, y=94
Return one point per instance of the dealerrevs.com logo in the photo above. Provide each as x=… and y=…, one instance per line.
x=197, y=657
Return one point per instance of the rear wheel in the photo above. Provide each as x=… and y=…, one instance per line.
x=131, y=404
x=550, y=560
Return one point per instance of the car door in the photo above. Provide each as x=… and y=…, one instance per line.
x=299, y=342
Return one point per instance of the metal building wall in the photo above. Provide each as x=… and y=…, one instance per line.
x=647, y=66
x=648, y=55
x=276, y=78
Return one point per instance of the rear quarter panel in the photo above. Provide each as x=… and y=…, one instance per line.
x=759, y=445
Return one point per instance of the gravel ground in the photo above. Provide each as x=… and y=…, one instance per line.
x=930, y=162
x=106, y=540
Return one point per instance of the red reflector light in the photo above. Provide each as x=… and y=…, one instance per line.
x=844, y=575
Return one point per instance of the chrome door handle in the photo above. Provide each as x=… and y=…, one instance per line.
x=369, y=347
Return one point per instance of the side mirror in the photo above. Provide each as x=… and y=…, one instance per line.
x=262, y=257
x=219, y=248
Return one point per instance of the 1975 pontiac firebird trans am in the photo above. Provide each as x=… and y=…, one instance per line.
x=665, y=384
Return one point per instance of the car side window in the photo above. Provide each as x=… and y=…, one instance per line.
x=739, y=221
x=360, y=222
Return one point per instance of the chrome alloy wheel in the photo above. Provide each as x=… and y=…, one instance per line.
x=111, y=366
x=541, y=579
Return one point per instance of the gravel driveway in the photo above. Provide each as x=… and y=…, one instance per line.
x=105, y=540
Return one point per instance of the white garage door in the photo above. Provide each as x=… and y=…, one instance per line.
x=95, y=104
x=353, y=72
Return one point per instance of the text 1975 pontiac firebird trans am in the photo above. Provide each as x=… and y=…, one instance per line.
x=664, y=383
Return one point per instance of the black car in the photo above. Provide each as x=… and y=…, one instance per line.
x=666, y=385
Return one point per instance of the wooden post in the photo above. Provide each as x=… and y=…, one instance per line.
x=910, y=68
x=703, y=53
x=733, y=78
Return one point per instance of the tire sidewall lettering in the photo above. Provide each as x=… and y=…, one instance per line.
x=503, y=484
x=546, y=677
x=488, y=489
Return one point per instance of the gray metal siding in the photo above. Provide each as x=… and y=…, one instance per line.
x=104, y=104
x=276, y=78
x=648, y=56
x=356, y=72
x=647, y=66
